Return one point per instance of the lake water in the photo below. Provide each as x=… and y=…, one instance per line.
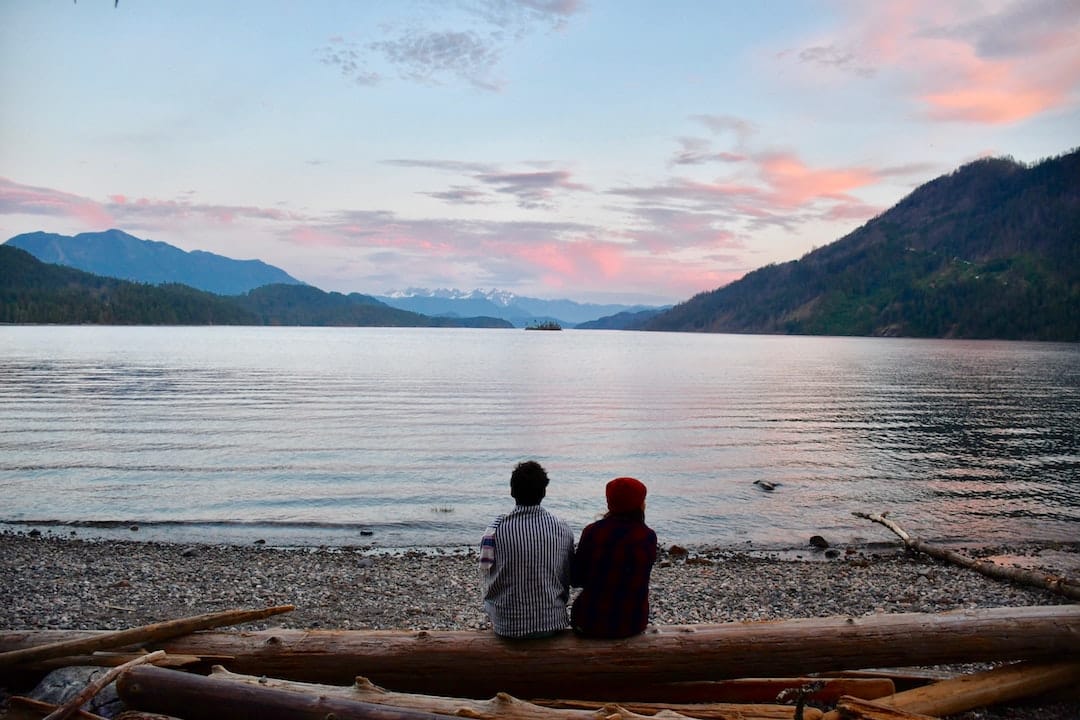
x=406, y=437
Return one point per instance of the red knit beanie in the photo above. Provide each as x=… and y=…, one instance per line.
x=625, y=494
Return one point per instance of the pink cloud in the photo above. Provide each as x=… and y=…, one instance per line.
x=151, y=212
x=793, y=183
x=594, y=264
x=776, y=184
x=17, y=199
x=990, y=105
x=126, y=211
x=986, y=63
x=313, y=238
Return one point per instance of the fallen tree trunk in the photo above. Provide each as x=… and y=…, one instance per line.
x=24, y=708
x=755, y=690
x=977, y=690
x=71, y=706
x=112, y=659
x=1044, y=581
x=195, y=697
x=856, y=709
x=480, y=664
x=511, y=708
x=705, y=711
x=135, y=636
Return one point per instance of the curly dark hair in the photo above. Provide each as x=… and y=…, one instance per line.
x=528, y=483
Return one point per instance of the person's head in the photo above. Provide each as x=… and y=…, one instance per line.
x=528, y=483
x=626, y=496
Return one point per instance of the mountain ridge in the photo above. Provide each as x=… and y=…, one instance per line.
x=990, y=250
x=115, y=253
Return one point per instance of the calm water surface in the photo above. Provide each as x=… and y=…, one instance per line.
x=324, y=435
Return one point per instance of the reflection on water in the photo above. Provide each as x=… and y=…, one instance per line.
x=310, y=435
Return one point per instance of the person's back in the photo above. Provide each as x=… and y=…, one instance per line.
x=613, y=564
x=525, y=562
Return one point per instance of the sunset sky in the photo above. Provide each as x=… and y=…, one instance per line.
x=613, y=150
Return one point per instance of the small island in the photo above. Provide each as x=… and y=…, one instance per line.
x=545, y=325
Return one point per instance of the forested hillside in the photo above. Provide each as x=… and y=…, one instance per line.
x=35, y=292
x=305, y=305
x=991, y=250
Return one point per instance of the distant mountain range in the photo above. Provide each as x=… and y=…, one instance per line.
x=116, y=254
x=991, y=250
x=43, y=293
x=519, y=310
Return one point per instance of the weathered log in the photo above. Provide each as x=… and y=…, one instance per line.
x=112, y=659
x=1044, y=581
x=902, y=678
x=967, y=692
x=855, y=709
x=708, y=711
x=479, y=664
x=24, y=708
x=196, y=697
x=506, y=706
x=83, y=696
x=138, y=635
x=756, y=690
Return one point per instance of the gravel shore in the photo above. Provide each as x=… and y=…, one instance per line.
x=49, y=582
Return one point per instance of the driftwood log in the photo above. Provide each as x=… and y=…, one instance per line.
x=506, y=706
x=856, y=709
x=1045, y=581
x=1003, y=684
x=479, y=664
x=24, y=708
x=753, y=690
x=112, y=659
x=195, y=697
x=82, y=697
x=135, y=636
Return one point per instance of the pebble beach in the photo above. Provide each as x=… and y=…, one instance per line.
x=54, y=582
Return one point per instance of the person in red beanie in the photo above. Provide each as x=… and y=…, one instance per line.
x=612, y=565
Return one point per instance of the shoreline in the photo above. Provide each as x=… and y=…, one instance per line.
x=56, y=582
x=884, y=541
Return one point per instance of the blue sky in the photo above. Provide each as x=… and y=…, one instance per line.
x=595, y=150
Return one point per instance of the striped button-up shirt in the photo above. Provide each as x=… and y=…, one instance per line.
x=525, y=570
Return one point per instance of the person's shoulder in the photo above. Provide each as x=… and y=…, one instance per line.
x=562, y=525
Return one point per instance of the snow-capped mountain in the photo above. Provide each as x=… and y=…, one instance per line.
x=500, y=297
x=519, y=310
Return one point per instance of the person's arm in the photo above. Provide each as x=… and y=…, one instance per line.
x=487, y=550
x=582, y=557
